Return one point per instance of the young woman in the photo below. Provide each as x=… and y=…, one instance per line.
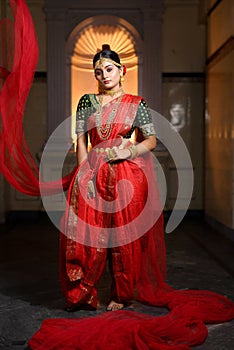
x=101, y=221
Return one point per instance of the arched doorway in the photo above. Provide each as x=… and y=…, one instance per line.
x=85, y=40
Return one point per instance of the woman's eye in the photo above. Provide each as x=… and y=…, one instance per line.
x=98, y=72
x=109, y=70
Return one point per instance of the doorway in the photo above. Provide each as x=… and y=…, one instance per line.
x=83, y=43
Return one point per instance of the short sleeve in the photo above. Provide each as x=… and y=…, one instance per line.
x=82, y=113
x=143, y=120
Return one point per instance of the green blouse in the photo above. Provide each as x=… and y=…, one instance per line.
x=142, y=121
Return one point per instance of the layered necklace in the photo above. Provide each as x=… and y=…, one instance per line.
x=104, y=131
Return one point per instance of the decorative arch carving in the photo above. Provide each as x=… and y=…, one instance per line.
x=104, y=20
x=85, y=40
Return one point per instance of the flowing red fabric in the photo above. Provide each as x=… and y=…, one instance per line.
x=18, y=60
x=180, y=329
x=184, y=325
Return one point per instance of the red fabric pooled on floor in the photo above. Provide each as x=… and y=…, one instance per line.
x=182, y=328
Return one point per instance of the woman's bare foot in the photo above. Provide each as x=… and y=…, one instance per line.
x=114, y=306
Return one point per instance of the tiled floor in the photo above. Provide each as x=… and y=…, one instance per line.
x=197, y=257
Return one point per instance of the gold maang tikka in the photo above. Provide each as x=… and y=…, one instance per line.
x=106, y=59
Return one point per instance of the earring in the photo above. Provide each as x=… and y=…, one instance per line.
x=121, y=79
x=124, y=70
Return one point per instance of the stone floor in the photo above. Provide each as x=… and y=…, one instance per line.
x=197, y=257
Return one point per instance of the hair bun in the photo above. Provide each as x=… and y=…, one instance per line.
x=105, y=47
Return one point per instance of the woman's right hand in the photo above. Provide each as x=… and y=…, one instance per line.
x=91, y=190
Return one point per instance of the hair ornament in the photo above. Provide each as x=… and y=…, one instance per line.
x=106, y=59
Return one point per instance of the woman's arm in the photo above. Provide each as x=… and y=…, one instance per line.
x=81, y=148
x=145, y=146
x=81, y=154
x=143, y=122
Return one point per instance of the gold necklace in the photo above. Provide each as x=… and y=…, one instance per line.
x=112, y=92
x=104, y=132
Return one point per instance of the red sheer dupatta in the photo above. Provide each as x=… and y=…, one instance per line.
x=180, y=329
x=18, y=60
x=183, y=327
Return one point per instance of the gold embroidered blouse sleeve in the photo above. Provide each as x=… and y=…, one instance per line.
x=145, y=124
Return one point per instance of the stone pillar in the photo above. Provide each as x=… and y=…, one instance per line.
x=152, y=52
x=57, y=70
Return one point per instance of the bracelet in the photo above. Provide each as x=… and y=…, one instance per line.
x=133, y=151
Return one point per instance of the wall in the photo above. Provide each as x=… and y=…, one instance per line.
x=219, y=205
x=183, y=59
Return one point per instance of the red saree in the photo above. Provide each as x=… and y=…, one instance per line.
x=115, y=218
x=137, y=259
x=183, y=327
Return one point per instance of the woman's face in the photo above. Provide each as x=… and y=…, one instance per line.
x=108, y=75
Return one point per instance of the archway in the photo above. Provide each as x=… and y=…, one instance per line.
x=84, y=41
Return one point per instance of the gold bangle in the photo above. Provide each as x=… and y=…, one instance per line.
x=133, y=151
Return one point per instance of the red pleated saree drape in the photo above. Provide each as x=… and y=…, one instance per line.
x=184, y=325
x=125, y=216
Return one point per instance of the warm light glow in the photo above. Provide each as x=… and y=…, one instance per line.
x=89, y=42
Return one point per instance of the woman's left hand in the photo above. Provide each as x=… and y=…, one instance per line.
x=118, y=154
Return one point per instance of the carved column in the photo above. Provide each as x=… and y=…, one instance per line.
x=56, y=22
x=152, y=68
